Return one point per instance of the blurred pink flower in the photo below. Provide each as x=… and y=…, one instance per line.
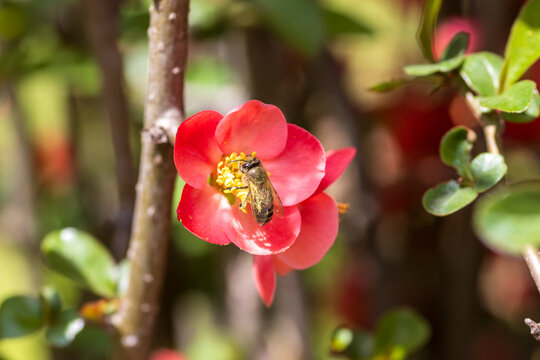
x=319, y=227
x=166, y=354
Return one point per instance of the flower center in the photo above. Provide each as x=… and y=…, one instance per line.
x=229, y=176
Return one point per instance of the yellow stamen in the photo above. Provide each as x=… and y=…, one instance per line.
x=342, y=208
x=229, y=176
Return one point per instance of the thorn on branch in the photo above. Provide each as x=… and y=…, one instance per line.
x=535, y=328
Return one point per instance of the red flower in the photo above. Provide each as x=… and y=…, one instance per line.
x=319, y=216
x=207, y=142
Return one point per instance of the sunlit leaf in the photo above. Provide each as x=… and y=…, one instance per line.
x=452, y=57
x=523, y=46
x=427, y=26
x=455, y=148
x=20, y=315
x=487, y=170
x=82, y=258
x=509, y=219
x=401, y=332
x=297, y=22
x=481, y=71
x=531, y=113
x=514, y=99
x=356, y=345
x=447, y=198
x=62, y=332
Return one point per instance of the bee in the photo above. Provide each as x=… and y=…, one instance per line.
x=264, y=199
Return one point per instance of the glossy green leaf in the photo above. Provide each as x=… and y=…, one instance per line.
x=427, y=26
x=82, y=258
x=430, y=69
x=297, y=22
x=514, y=99
x=487, y=170
x=451, y=58
x=20, y=315
x=523, y=46
x=339, y=23
x=509, y=219
x=457, y=46
x=530, y=114
x=447, y=198
x=62, y=332
x=455, y=149
x=356, y=345
x=481, y=71
x=401, y=332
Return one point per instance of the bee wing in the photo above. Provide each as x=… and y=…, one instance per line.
x=261, y=202
x=278, y=206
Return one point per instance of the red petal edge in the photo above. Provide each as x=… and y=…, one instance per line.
x=319, y=230
x=264, y=277
x=196, y=152
x=336, y=163
x=297, y=171
x=276, y=236
x=206, y=213
x=255, y=126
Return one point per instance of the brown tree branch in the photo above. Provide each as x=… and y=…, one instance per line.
x=151, y=222
x=102, y=24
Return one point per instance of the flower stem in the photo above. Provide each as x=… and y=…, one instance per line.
x=167, y=53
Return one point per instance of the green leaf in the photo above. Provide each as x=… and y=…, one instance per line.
x=514, y=99
x=123, y=276
x=429, y=69
x=82, y=258
x=62, y=332
x=427, y=26
x=338, y=23
x=481, y=72
x=401, y=331
x=356, y=345
x=455, y=149
x=487, y=170
x=447, y=198
x=457, y=46
x=452, y=57
x=297, y=22
x=390, y=85
x=509, y=220
x=523, y=46
x=530, y=114
x=20, y=315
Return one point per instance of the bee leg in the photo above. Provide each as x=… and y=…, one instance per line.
x=244, y=202
x=236, y=187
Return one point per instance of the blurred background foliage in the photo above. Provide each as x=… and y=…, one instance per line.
x=315, y=60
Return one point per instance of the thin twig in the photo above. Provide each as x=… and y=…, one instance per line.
x=532, y=259
x=151, y=222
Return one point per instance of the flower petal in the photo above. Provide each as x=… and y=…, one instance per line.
x=298, y=170
x=336, y=162
x=254, y=126
x=196, y=152
x=318, y=232
x=264, y=277
x=281, y=268
x=274, y=237
x=206, y=213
